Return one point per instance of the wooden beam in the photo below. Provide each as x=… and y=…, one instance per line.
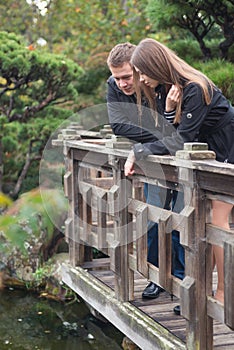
x=141, y=238
x=187, y=295
x=135, y=324
x=165, y=251
x=229, y=283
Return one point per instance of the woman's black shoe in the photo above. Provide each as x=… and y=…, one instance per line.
x=152, y=291
x=177, y=309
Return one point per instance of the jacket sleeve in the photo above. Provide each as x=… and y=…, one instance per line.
x=194, y=111
x=123, y=117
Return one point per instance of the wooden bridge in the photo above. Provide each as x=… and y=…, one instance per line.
x=107, y=212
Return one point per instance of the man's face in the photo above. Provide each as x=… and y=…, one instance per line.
x=123, y=76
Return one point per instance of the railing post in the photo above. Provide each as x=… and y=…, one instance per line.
x=229, y=281
x=193, y=287
x=123, y=242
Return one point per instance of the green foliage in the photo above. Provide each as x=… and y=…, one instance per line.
x=16, y=145
x=221, y=73
x=9, y=145
x=204, y=20
x=30, y=221
x=31, y=80
x=32, y=83
x=91, y=79
x=34, y=80
x=187, y=49
x=5, y=201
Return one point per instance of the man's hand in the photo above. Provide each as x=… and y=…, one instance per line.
x=172, y=98
x=129, y=164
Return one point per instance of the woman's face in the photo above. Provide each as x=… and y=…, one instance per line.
x=146, y=80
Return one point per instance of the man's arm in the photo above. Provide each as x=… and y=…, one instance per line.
x=124, y=117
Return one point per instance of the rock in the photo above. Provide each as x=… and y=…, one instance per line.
x=127, y=344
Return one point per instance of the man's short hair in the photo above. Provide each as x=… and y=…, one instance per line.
x=120, y=54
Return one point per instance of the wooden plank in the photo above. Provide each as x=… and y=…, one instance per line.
x=141, y=238
x=112, y=197
x=154, y=213
x=88, y=157
x=158, y=171
x=68, y=184
x=165, y=251
x=103, y=182
x=216, y=235
x=160, y=310
x=76, y=250
x=187, y=294
x=125, y=234
x=87, y=213
x=186, y=226
x=220, y=197
x=102, y=221
x=229, y=283
x=195, y=155
x=215, y=309
x=209, y=287
x=142, y=329
x=216, y=183
x=68, y=229
x=97, y=263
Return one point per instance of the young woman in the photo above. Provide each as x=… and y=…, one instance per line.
x=202, y=114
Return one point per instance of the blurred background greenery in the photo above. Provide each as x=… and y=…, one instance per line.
x=53, y=63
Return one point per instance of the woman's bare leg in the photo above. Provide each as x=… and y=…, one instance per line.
x=220, y=218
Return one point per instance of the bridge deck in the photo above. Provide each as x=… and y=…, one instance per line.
x=160, y=309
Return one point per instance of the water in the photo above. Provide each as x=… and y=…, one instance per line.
x=28, y=322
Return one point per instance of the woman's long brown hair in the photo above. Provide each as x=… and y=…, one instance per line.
x=160, y=63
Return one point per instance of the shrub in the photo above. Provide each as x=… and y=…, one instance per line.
x=221, y=73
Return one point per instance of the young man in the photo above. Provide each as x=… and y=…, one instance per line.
x=124, y=120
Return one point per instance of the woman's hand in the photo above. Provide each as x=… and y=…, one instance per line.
x=172, y=98
x=129, y=164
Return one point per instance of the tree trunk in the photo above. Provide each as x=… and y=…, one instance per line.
x=226, y=44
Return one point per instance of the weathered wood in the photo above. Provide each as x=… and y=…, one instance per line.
x=195, y=262
x=220, y=197
x=217, y=235
x=215, y=309
x=194, y=155
x=229, y=283
x=68, y=229
x=112, y=196
x=187, y=295
x=76, y=250
x=218, y=182
x=185, y=226
x=209, y=285
x=195, y=146
x=159, y=171
x=141, y=238
x=102, y=182
x=87, y=213
x=143, y=330
x=198, y=179
x=165, y=261
x=159, y=311
x=124, y=237
x=102, y=221
x=68, y=184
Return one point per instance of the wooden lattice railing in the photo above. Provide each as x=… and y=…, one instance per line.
x=107, y=211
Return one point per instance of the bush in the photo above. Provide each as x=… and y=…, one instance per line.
x=187, y=49
x=221, y=73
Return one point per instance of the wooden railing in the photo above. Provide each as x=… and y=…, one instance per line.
x=107, y=211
